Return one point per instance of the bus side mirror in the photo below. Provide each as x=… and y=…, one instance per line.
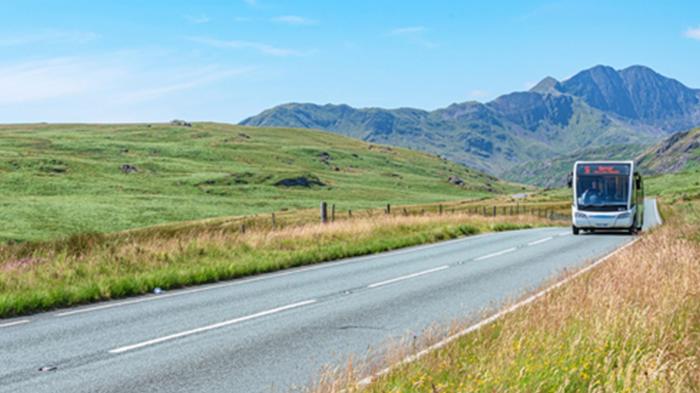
x=570, y=180
x=638, y=182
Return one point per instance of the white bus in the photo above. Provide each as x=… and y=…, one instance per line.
x=608, y=195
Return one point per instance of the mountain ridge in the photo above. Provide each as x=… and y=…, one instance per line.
x=596, y=108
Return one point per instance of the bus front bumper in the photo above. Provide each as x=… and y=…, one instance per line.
x=603, y=220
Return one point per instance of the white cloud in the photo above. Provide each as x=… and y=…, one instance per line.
x=478, y=94
x=121, y=78
x=294, y=20
x=48, y=37
x=238, y=44
x=198, y=20
x=183, y=82
x=414, y=35
x=53, y=78
x=410, y=30
x=693, y=33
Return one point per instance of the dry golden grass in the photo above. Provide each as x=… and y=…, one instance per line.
x=631, y=324
x=95, y=267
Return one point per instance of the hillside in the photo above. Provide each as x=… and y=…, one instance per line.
x=676, y=153
x=552, y=172
x=596, y=108
x=59, y=180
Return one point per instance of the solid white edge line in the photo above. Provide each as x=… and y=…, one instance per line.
x=656, y=212
x=409, y=359
x=536, y=242
x=496, y=254
x=210, y=327
x=272, y=275
x=15, y=323
x=406, y=277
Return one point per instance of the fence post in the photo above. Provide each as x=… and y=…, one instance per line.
x=349, y=213
x=405, y=212
x=242, y=228
x=388, y=209
x=324, y=212
x=273, y=221
x=440, y=209
x=333, y=212
x=494, y=211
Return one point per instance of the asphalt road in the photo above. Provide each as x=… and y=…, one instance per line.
x=275, y=331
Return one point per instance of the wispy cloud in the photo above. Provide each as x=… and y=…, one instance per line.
x=693, y=33
x=251, y=3
x=294, y=20
x=260, y=47
x=48, y=37
x=53, y=78
x=183, y=82
x=410, y=30
x=478, y=94
x=119, y=78
x=414, y=35
x=198, y=20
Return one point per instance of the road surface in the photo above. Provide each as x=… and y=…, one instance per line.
x=273, y=332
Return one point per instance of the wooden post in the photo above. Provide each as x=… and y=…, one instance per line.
x=324, y=212
x=494, y=211
x=349, y=213
x=405, y=212
x=483, y=210
x=440, y=209
x=243, y=228
x=273, y=221
x=388, y=209
x=333, y=212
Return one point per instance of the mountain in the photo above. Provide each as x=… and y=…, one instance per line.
x=597, y=110
x=678, y=152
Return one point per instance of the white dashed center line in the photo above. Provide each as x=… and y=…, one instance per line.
x=211, y=327
x=408, y=276
x=495, y=254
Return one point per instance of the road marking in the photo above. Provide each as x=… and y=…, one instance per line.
x=495, y=254
x=408, y=276
x=546, y=239
x=412, y=358
x=563, y=233
x=211, y=327
x=272, y=275
x=20, y=322
x=656, y=212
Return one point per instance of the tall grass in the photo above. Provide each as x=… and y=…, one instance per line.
x=86, y=268
x=630, y=325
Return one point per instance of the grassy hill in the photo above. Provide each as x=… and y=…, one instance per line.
x=59, y=180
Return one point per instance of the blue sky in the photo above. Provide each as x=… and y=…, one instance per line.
x=90, y=61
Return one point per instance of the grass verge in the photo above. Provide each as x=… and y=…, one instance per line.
x=630, y=325
x=88, y=268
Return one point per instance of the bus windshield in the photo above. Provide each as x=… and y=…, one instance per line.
x=602, y=187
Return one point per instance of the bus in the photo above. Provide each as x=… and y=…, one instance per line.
x=608, y=195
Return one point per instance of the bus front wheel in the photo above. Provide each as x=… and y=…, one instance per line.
x=574, y=229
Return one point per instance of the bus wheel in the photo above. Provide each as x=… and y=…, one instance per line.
x=574, y=229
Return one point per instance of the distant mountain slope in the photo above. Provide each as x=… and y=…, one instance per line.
x=675, y=153
x=595, y=109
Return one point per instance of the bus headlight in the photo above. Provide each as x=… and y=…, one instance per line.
x=580, y=215
x=624, y=215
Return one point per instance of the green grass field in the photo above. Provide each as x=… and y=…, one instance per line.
x=61, y=180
